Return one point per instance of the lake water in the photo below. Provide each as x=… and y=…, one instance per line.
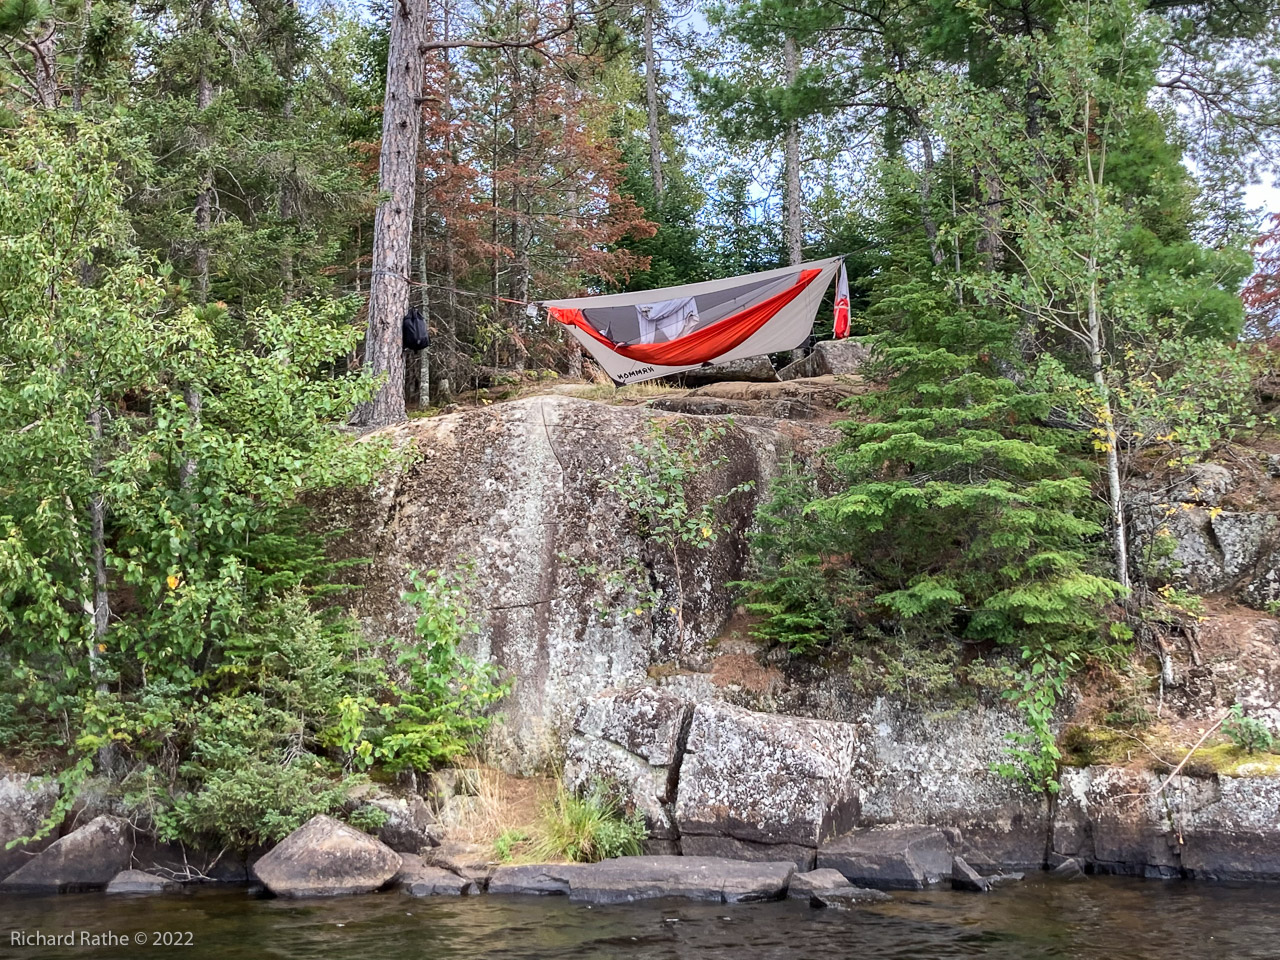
x=1091, y=919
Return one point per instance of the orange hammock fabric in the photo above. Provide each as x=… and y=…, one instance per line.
x=702, y=346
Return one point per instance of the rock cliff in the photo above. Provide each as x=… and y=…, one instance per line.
x=516, y=492
x=733, y=752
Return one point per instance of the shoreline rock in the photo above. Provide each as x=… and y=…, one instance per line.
x=891, y=858
x=139, y=881
x=327, y=858
x=627, y=879
x=85, y=859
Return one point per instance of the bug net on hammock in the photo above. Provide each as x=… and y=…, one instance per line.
x=656, y=333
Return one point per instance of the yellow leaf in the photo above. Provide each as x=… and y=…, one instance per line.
x=172, y=582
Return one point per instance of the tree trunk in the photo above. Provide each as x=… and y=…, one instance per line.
x=926, y=191
x=289, y=206
x=1119, y=536
x=990, y=241
x=393, y=225
x=204, y=219
x=795, y=232
x=446, y=347
x=417, y=364
x=77, y=77
x=204, y=198
x=651, y=100
x=44, y=68
x=1096, y=345
x=98, y=546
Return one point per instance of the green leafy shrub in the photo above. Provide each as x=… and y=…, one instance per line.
x=436, y=702
x=588, y=828
x=1248, y=733
x=253, y=804
x=240, y=762
x=166, y=614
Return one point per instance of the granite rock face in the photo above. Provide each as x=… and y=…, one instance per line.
x=716, y=779
x=764, y=787
x=776, y=770
x=85, y=859
x=891, y=858
x=1221, y=545
x=25, y=802
x=519, y=490
x=839, y=357
x=636, y=740
x=327, y=858
x=1217, y=828
x=627, y=879
x=920, y=770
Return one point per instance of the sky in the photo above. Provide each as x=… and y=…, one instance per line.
x=1265, y=196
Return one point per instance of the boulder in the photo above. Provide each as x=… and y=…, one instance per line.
x=534, y=878
x=327, y=858
x=139, y=881
x=964, y=877
x=85, y=859
x=419, y=879
x=635, y=740
x=755, y=369
x=471, y=861
x=25, y=803
x=826, y=888
x=410, y=826
x=1068, y=869
x=809, y=399
x=626, y=879
x=891, y=858
x=1203, y=483
x=838, y=357
x=761, y=786
x=517, y=490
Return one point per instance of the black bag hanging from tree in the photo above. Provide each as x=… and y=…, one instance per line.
x=414, y=332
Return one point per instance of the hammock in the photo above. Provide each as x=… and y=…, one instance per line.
x=656, y=333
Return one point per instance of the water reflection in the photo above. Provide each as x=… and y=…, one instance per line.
x=1095, y=919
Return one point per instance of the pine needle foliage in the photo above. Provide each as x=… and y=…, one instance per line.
x=967, y=515
x=960, y=516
